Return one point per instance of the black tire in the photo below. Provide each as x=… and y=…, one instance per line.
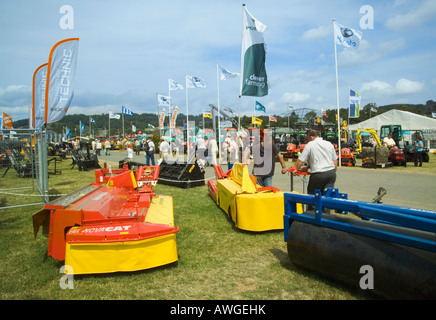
x=425, y=157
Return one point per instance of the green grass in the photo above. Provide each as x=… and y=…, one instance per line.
x=216, y=260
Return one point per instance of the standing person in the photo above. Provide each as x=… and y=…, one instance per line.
x=107, y=147
x=129, y=153
x=264, y=152
x=164, y=149
x=419, y=147
x=137, y=146
x=149, y=151
x=322, y=160
x=98, y=146
x=212, y=150
x=201, y=148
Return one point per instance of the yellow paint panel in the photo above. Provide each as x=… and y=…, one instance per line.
x=90, y=258
x=161, y=210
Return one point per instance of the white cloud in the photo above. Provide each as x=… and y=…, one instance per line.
x=380, y=88
x=295, y=97
x=424, y=12
x=316, y=33
x=405, y=86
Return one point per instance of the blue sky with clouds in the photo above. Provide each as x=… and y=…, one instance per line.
x=129, y=49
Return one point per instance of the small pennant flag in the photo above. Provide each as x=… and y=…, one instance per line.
x=259, y=107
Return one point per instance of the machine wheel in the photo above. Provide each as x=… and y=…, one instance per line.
x=425, y=157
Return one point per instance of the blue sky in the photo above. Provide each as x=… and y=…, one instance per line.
x=129, y=49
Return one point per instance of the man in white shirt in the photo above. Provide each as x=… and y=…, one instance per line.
x=164, y=149
x=322, y=160
x=201, y=148
x=389, y=142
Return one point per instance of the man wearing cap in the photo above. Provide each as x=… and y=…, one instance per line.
x=322, y=160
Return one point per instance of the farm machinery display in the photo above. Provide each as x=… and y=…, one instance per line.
x=116, y=224
x=396, y=245
x=248, y=205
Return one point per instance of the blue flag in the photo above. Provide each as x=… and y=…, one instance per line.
x=259, y=107
x=126, y=111
x=82, y=127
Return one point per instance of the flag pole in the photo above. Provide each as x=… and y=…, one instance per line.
x=242, y=68
x=337, y=96
x=187, y=119
x=218, y=106
x=122, y=115
x=169, y=112
x=158, y=114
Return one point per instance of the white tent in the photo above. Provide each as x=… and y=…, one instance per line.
x=408, y=121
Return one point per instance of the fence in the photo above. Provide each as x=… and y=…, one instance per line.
x=23, y=152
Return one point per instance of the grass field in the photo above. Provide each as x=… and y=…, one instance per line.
x=216, y=260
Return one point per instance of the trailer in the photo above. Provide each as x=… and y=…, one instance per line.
x=116, y=224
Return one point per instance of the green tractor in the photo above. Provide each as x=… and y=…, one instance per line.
x=410, y=139
x=405, y=140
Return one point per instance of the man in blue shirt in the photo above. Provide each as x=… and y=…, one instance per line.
x=418, y=151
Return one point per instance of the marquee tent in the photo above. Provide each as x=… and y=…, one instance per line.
x=408, y=120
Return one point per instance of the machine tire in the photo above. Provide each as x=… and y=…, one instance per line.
x=425, y=157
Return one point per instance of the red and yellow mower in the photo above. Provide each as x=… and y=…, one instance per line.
x=250, y=206
x=116, y=224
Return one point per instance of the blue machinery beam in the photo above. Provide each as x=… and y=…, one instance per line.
x=411, y=227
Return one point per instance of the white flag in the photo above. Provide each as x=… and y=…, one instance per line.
x=194, y=82
x=173, y=85
x=254, y=80
x=346, y=36
x=113, y=115
x=163, y=101
x=226, y=74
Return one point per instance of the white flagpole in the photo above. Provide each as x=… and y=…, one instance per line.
x=187, y=118
x=242, y=67
x=158, y=114
x=122, y=114
x=218, y=104
x=169, y=113
x=109, y=132
x=337, y=96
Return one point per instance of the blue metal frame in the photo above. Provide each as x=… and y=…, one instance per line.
x=410, y=218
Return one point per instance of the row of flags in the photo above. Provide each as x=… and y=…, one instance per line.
x=53, y=82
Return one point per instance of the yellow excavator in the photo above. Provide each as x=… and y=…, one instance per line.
x=373, y=134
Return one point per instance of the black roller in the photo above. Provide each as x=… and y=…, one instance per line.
x=400, y=272
x=183, y=175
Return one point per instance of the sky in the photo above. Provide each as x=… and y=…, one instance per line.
x=129, y=49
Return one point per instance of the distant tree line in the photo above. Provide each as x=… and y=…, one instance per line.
x=143, y=121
